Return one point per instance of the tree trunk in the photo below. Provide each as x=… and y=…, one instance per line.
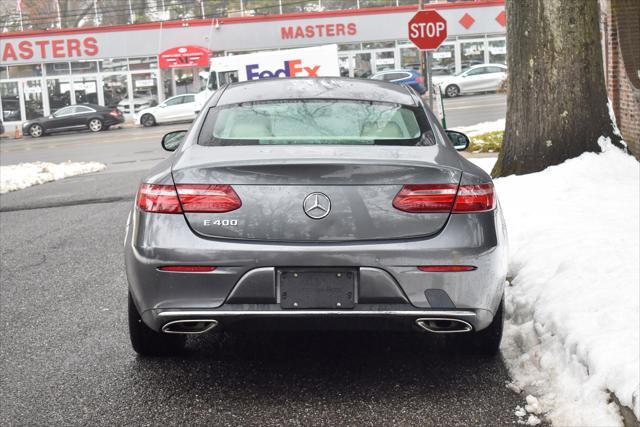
x=557, y=100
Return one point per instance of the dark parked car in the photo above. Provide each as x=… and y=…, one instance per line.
x=81, y=116
x=411, y=78
x=315, y=203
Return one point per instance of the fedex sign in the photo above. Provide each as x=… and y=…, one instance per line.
x=291, y=68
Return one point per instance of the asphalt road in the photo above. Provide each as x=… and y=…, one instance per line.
x=64, y=347
x=472, y=109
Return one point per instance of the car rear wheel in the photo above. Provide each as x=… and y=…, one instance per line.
x=95, y=125
x=147, y=342
x=485, y=342
x=452, y=91
x=148, y=120
x=36, y=131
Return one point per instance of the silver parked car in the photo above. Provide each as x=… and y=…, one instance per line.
x=478, y=78
x=315, y=203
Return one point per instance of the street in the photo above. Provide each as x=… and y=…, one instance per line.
x=66, y=353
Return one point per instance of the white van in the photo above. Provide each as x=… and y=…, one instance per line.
x=304, y=62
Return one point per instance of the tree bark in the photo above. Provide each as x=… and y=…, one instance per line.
x=557, y=100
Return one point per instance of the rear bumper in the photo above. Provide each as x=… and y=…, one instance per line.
x=243, y=286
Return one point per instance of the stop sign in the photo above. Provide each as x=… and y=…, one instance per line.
x=427, y=29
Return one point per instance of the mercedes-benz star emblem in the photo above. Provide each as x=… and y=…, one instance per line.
x=316, y=205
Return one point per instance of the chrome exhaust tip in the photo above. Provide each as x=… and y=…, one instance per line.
x=189, y=326
x=441, y=325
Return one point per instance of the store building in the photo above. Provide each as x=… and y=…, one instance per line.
x=42, y=71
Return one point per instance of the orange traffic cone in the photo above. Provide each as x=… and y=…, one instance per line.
x=17, y=133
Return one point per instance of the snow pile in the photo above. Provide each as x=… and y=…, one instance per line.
x=480, y=128
x=572, y=335
x=23, y=175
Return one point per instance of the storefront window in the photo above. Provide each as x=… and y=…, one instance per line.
x=59, y=93
x=350, y=46
x=410, y=58
x=57, y=69
x=34, y=70
x=33, y=99
x=10, y=101
x=379, y=45
x=3, y=73
x=362, y=66
x=498, y=51
x=120, y=64
x=115, y=89
x=385, y=60
x=84, y=67
x=85, y=90
x=444, y=61
x=145, y=91
x=472, y=53
x=146, y=63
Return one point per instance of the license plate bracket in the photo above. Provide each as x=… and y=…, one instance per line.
x=317, y=288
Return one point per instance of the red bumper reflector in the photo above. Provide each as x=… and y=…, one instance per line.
x=446, y=268
x=188, y=268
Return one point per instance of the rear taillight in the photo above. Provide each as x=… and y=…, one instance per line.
x=420, y=79
x=474, y=198
x=187, y=198
x=158, y=198
x=115, y=112
x=208, y=198
x=435, y=198
x=420, y=198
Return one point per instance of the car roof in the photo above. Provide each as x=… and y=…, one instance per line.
x=316, y=88
x=487, y=65
x=398, y=70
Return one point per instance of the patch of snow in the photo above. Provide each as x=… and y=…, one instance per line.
x=23, y=175
x=480, y=128
x=573, y=307
x=520, y=412
x=533, y=420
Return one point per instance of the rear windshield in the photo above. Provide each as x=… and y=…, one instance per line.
x=314, y=122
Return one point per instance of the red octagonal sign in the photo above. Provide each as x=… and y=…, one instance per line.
x=427, y=29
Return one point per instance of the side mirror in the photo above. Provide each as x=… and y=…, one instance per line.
x=460, y=140
x=172, y=140
x=162, y=105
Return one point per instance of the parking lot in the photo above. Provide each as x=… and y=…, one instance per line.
x=65, y=350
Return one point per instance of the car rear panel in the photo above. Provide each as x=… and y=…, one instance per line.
x=358, y=182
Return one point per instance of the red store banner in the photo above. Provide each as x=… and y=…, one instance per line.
x=185, y=57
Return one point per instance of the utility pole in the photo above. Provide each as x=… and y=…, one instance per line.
x=425, y=65
x=202, y=8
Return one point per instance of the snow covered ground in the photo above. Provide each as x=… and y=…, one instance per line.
x=23, y=175
x=480, y=128
x=572, y=335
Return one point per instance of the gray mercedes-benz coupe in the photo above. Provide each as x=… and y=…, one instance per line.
x=321, y=203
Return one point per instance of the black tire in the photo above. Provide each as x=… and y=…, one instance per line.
x=147, y=342
x=36, y=131
x=485, y=342
x=95, y=125
x=452, y=91
x=148, y=120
